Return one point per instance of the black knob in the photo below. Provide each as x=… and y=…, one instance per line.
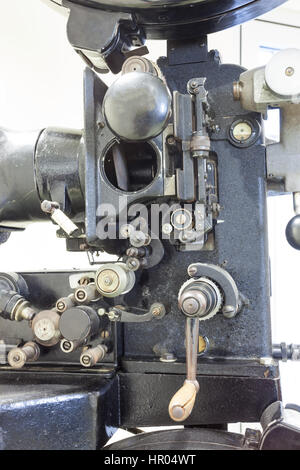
x=292, y=232
x=79, y=323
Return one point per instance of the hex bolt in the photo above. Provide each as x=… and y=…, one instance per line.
x=18, y=357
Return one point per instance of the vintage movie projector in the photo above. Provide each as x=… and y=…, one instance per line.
x=171, y=175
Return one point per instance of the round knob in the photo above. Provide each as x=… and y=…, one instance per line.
x=137, y=106
x=114, y=279
x=79, y=323
x=283, y=72
x=292, y=232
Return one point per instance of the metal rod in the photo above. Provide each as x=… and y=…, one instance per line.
x=192, y=340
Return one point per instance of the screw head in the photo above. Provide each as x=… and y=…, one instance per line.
x=192, y=271
x=60, y=306
x=80, y=295
x=86, y=360
x=290, y=71
x=229, y=311
x=66, y=346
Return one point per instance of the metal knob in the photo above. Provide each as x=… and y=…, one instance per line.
x=18, y=357
x=93, y=355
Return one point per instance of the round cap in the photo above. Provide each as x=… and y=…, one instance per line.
x=137, y=106
x=78, y=323
x=282, y=73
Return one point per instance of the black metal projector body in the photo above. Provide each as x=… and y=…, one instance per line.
x=132, y=387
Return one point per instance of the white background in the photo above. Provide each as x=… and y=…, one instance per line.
x=41, y=85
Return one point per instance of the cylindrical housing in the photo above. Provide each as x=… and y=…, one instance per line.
x=79, y=323
x=36, y=166
x=19, y=199
x=114, y=279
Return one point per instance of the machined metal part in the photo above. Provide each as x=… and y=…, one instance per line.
x=139, y=64
x=45, y=326
x=114, y=279
x=15, y=307
x=18, y=357
x=91, y=356
x=285, y=352
x=232, y=299
x=104, y=169
x=201, y=298
x=256, y=95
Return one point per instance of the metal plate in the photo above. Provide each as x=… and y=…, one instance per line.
x=170, y=19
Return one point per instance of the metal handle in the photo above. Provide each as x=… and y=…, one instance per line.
x=182, y=403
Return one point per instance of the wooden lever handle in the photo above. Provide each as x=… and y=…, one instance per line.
x=182, y=403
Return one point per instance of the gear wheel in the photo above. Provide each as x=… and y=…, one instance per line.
x=201, y=298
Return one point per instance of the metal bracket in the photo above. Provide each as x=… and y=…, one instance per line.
x=233, y=300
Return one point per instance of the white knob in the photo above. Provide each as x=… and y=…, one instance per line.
x=282, y=73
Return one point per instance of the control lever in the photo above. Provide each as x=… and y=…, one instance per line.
x=120, y=314
x=60, y=218
x=182, y=403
